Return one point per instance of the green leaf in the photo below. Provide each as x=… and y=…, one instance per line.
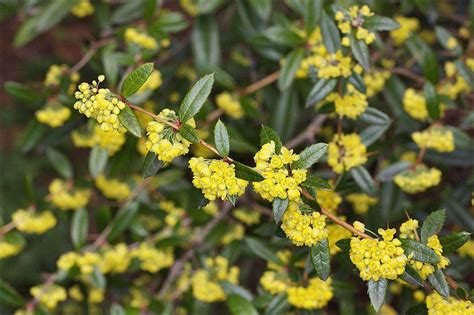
x=361, y=52
x=279, y=207
x=230, y=288
x=387, y=174
x=431, y=66
x=344, y=244
x=189, y=133
x=432, y=100
x=205, y=41
x=281, y=35
x=312, y=14
x=151, y=165
x=169, y=22
x=372, y=133
x=79, y=228
x=358, y=82
x=377, y=290
x=320, y=90
x=419, y=309
x=277, y=305
x=419, y=251
x=136, y=79
x=267, y=135
x=261, y=250
x=244, y=172
x=21, y=92
x=110, y=62
x=221, y=138
x=26, y=32
x=289, y=68
x=240, y=306
x=465, y=72
x=60, y=162
x=195, y=98
x=330, y=32
x=98, y=279
x=433, y=224
x=310, y=155
x=374, y=116
x=316, y=182
x=97, y=160
x=122, y=220
x=454, y=241
x=129, y=120
x=363, y=179
x=321, y=259
x=443, y=37
x=380, y=23
x=117, y=309
x=411, y=276
x=438, y=281
x=9, y=296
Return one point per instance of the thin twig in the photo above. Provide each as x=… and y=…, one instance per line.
x=89, y=54
x=259, y=84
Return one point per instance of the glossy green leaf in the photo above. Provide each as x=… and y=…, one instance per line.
x=316, y=182
x=358, y=82
x=372, y=133
x=320, y=90
x=21, y=92
x=196, y=97
x=374, y=116
x=432, y=100
x=360, y=50
x=240, y=306
x=79, y=227
x=205, y=41
x=380, y=23
x=277, y=305
x=344, y=244
x=363, y=180
x=330, y=32
x=312, y=14
x=439, y=283
x=279, y=207
x=97, y=160
x=221, y=139
x=411, y=276
x=189, y=133
x=129, y=120
x=60, y=162
x=110, y=61
x=387, y=174
x=377, y=290
x=151, y=165
x=453, y=241
x=282, y=35
x=289, y=68
x=244, y=172
x=267, y=135
x=136, y=79
x=169, y=22
x=122, y=220
x=419, y=251
x=230, y=288
x=310, y=156
x=259, y=248
x=432, y=224
x=321, y=259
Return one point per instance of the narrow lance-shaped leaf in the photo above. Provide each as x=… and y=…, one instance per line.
x=310, y=155
x=244, y=172
x=196, y=97
x=189, y=133
x=240, y=306
x=377, y=290
x=261, y=250
x=321, y=259
x=289, y=68
x=361, y=52
x=122, y=220
x=432, y=224
x=465, y=72
x=79, y=227
x=454, y=241
x=419, y=251
x=97, y=160
x=151, y=165
x=380, y=23
x=316, y=182
x=320, y=90
x=312, y=14
x=432, y=100
x=267, y=135
x=411, y=276
x=129, y=120
x=330, y=32
x=60, y=162
x=221, y=138
x=279, y=207
x=439, y=283
x=374, y=116
x=136, y=79
x=363, y=179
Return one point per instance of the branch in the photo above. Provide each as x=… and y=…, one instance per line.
x=259, y=84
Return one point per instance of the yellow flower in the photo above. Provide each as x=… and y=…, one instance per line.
x=408, y=228
x=346, y=152
x=189, y=6
x=230, y=105
x=82, y=9
x=438, y=138
x=452, y=43
x=112, y=141
x=66, y=197
x=115, y=259
x=352, y=104
x=375, y=81
x=275, y=282
x=333, y=65
x=301, y=228
x=53, y=115
x=31, y=222
x=152, y=83
x=49, y=296
x=438, y=305
x=414, y=104
x=465, y=250
x=163, y=140
x=75, y=293
x=205, y=282
x=359, y=226
x=328, y=199
x=409, y=156
x=100, y=104
x=454, y=84
x=174, y=213
x=419, y=296
x=112, y=188
x=335, y=234
x=361, y=202
x=315, y=295
x=418, y=180
x=211, y=208
x=233, y=233
x=96, y=295
x=248, y=217
x=139, y=38
x=354, y=19
x=152, y=259
x=216, y=178
x=407, y=27
x=8, y=249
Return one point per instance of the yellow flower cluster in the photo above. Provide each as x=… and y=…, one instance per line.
x=152, y=259
x=139, y=38
x=112, y=188
x=335, y=234
x=328, y=199
x=361, y=202
x=465, y=250
x=233, y=233
x=375, y=81
x=418, y=180
x=189, y=6
x=315, y=41
x=205, y=282
x=378, y=259
x=115, y=259
x=8, y=249
x=414, y=104
x=346, y=152
x=408, y=228
x=275, y=282
x=65, y=197
x=175, y=213
x=54, y=74
x=31, y=222
x=95, y=295
x=407, y=27
x=434, y=243
x=315, y=295
x=163, y=140
x=153, y=82
x=100, y=104
x=53, y=115
x=354, y=18
x=216, y=178
x=211, y=208
x=438, y=305
x=111, y=141
x=352, y=104
x=230, y=105
x=248, y=217
x=437, y=138
x=278, y=182
x=333, y=65
x=82, y=8
x=49, y=296
x=85, y=261
x=455, y=84
x=303, y=229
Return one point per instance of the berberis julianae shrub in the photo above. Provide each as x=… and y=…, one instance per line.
x=243, y=157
